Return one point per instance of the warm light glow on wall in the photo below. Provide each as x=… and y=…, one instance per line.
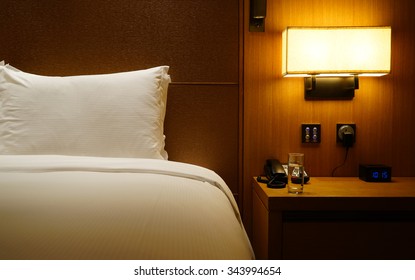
x=336, y=51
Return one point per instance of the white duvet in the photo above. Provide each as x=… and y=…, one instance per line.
x=67, y=207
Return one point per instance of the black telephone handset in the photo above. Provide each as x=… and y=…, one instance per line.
x=275, y=173
x=276, y=176
x=273, y=168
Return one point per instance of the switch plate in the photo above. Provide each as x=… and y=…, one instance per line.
x=311, y=133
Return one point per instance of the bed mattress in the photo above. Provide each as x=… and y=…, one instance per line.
x=71, y=207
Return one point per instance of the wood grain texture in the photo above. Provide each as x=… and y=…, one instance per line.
x=275, y=107
x=335, y=218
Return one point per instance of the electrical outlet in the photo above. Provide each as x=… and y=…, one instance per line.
x=310, y=133
x=342, y=128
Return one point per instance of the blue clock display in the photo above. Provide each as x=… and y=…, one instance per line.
x=375, y=173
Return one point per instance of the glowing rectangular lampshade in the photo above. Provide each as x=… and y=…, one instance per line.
x=336, y=51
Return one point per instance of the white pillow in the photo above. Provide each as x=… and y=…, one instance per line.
x=109, y=115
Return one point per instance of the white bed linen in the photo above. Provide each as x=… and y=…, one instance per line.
x=68, y=207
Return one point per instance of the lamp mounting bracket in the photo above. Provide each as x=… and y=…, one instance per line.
x=330, y=88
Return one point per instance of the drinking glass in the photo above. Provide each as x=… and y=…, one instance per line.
x=295, y=173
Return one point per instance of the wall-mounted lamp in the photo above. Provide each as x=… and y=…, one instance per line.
x=332, y=58
x=257, y=14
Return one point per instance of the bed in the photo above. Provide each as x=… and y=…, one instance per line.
x=84, y=174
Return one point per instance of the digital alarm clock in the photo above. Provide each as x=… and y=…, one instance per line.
x=375, y=173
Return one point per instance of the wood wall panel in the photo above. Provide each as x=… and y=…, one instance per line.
x=274, y=107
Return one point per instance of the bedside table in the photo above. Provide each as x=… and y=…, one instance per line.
x=335, y=218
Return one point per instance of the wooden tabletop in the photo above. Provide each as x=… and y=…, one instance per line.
x=342, y=193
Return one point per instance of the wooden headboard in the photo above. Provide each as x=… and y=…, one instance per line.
x=199, y=40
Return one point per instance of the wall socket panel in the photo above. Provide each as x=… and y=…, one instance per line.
x=311, y=133
x=339, y=125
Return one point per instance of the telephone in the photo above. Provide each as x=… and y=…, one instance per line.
x=274, y=169
x=276, y=175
